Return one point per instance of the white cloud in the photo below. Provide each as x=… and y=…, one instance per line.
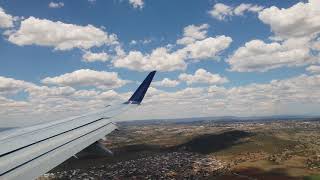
x=9, y=85
x=203, y=76
x=119, y=51
x=60, y=35
x=166, y=82
x=295, y=29
x=259, y=56
x=13, y=86
x=300, y=20
x=87, y=78
x=222, y=11
x=44, y=103
x=192, y=33
x=110, y=94
x=137, y=3
x=169, y=58
x=145, y=41
x=162, y=59
x=92, y=1
x=89, y=56
x=9, y=103
x=85, y=93
x=313, y=69
x=133, y=42
x=56, y=4
x=6, y=20
x=50, y=92
x=286, y=96
x=242, y=8
x=207, y=48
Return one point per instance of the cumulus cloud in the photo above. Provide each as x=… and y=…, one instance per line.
x=222, y=11
x=282, y=96
x=59, y=35
x=133, y=42
x=166, y=82
x=89, y=56
x=203, y=76
x=192, y=33
x=6, y=20
x=160, y=59
x=295, y=42
x=56, y=5
x=300, y=20
x=87, y=78
x=13, y=86
x=207, y=48
x=9, y=103
x=313, y=69
x=137, y=3
x=278, y=96
x=196, y=46
x=43, y=103
x=163, y=59
x=50, y=92
x=242, y=8
x=257, y=55
x=110, y=94
x=9, y=85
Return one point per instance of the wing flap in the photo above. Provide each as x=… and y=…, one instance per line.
x=56, y=156
x=16, y=158
x=28, y=137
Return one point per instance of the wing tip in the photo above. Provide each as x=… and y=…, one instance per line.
x=139, y=94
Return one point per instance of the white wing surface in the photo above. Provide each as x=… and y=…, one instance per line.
x=26, y=153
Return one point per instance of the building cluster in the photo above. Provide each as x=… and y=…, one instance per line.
x=173, y=165
x=313, y=162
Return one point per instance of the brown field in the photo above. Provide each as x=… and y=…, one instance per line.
x=204, y=150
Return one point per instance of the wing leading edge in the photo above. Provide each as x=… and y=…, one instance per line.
x=27, y=153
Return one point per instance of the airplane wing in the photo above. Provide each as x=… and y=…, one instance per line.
x=26, y=153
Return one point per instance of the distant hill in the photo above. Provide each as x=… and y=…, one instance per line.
x=222, y=119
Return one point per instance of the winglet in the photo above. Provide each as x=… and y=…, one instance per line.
x=138, y=95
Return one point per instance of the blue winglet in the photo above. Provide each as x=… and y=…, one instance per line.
x=138, y=95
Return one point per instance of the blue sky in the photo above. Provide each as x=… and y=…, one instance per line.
x=30, y=54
